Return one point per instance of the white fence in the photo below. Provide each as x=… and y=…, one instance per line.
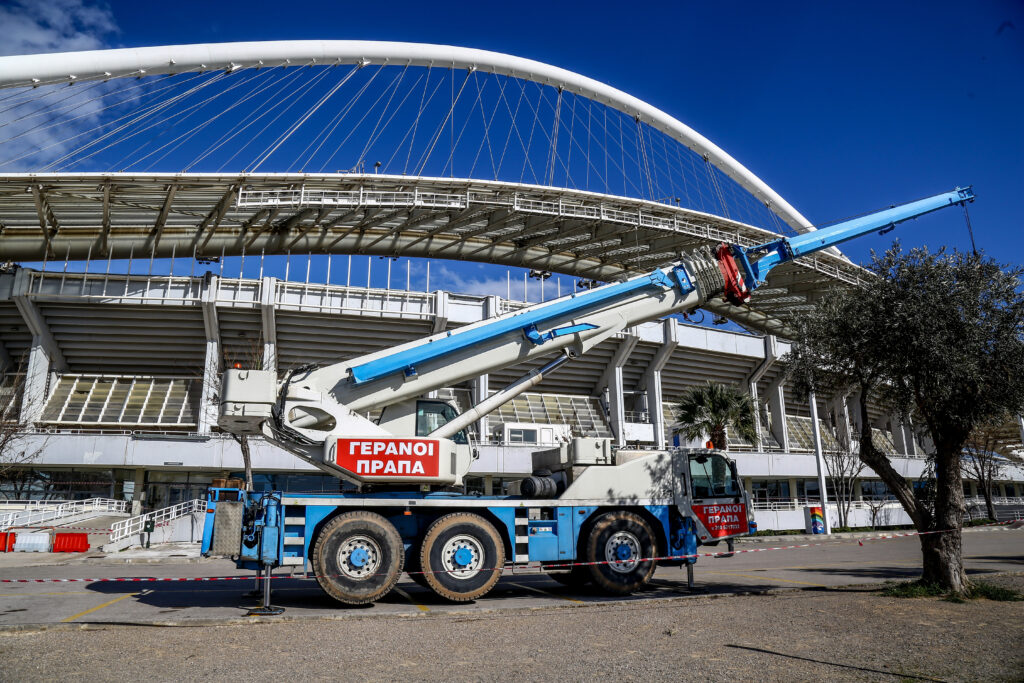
x=134, y=525
x=40, y=515
x=799, y=504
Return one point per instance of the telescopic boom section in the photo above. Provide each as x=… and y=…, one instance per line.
x=751, y=264
x=743, y=269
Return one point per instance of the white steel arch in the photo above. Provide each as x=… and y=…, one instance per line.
x=42, y=69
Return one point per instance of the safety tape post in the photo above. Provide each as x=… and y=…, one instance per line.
x=565, y=565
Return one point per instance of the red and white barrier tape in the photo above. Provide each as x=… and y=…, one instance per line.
x=15, y=529
x=565, y=565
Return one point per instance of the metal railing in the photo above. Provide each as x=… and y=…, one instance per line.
x=783, y=505
x=53, y=513
x=134, y=525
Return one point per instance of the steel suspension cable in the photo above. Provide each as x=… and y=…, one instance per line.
x=138, y=115
x=301, y=121
x=187, y=112
x=188, y=135
x=299, y=93
x=241, y=125
x=274, y=101
x=440, y=129
x=342, y=113
x=65, y=122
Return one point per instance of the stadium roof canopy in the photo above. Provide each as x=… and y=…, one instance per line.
x=592, y=236
x=454, y=170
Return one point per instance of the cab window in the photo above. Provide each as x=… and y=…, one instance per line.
x=711, y=476
x=432, y=415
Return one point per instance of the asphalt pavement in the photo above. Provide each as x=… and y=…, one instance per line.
x=50, y=603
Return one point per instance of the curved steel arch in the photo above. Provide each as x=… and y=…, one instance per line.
x=31, y=70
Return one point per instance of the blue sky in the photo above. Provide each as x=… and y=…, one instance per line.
x=842, y=108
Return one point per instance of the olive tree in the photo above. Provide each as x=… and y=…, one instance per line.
x=937, y=337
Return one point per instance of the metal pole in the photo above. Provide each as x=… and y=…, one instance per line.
x=819, y=458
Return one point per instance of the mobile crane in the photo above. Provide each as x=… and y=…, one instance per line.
x=614, y=511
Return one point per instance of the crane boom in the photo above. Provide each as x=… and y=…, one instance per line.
x=313, y=406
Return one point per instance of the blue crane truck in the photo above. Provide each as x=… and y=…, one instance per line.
x=588, y=514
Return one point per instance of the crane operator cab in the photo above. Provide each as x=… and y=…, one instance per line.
x=717, y=501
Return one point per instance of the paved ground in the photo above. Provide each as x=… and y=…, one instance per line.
x=839, y=634
x=986, y=551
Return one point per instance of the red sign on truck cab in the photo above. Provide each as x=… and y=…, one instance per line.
x=723, y=519
x=389, y=457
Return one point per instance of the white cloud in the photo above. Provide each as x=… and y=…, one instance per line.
x=34, y=26
x=42, y=124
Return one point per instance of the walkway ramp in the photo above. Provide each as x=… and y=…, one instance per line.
x=178, y=523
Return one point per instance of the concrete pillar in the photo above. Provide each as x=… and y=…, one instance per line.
x=37, y=374
x=841, y=409
x=652, y=381
x=908, y=438
x=268, y=288
x=617, y=405
x=440, y=312
x=777, y=404
x=481, y=391
x=209, y=408
x=853, y=405
x=899, y=436
x=488, y=485
x=819, y=457
x=770, y=354
x=612, y=381
x=44, y=355
x=139, y=496
x=758, y=430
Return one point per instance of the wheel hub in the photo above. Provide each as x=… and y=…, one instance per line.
x=622, y=552
x=462, y=557
x=359, y=557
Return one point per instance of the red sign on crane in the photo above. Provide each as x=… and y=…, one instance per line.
x=723, y=519
x=389, y=457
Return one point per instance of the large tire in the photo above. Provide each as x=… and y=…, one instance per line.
x=616, y=541
x=358, y=557
x=462, y=556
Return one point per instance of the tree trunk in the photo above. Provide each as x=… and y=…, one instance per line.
x=943, y=557
x=943, y=565
x=243, y=443
x=718, y=438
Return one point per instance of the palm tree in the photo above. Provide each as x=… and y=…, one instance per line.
x=712, y=408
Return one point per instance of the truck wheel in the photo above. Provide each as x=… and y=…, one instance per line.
x=618, y=540
x=462, y=555
x=358, y=557
x=577, y=577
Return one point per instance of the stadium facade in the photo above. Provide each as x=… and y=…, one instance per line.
x=119, y=385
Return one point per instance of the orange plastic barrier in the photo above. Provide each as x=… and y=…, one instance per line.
x=70, y=543
x=7, y=542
